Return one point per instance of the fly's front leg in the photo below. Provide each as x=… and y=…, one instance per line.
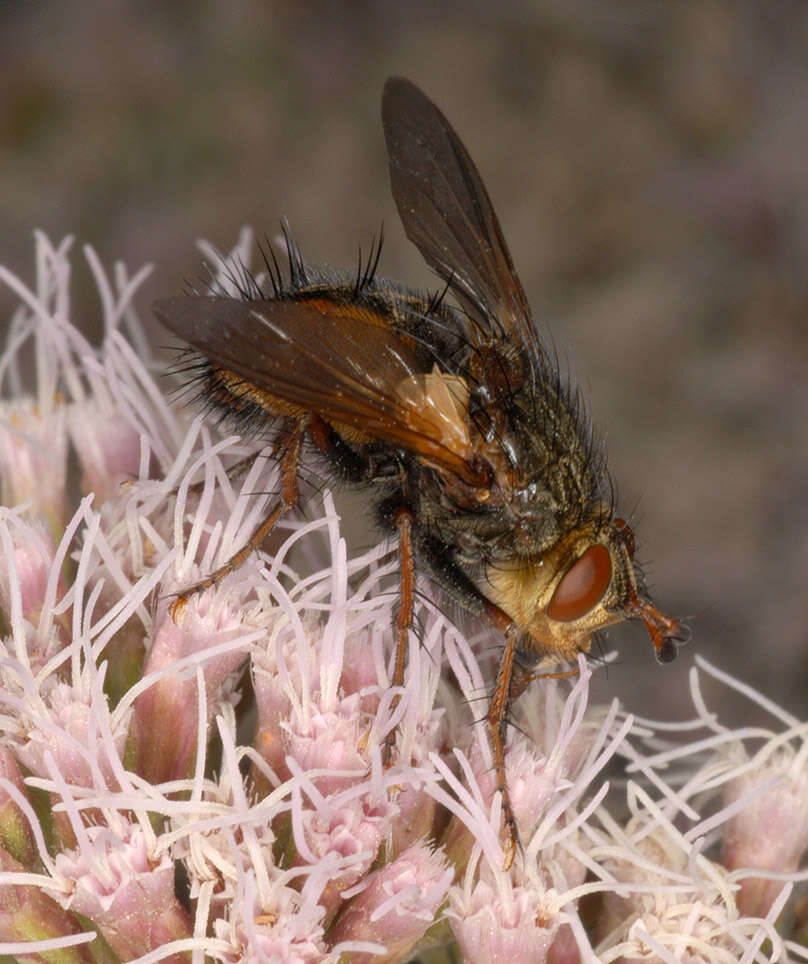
x=512, y=680
x=510, y=677
x=289, y=459
x=522, y=678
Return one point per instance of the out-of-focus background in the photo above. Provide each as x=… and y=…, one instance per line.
x=649, y=163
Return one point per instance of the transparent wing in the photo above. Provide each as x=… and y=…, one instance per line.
x=447, y=213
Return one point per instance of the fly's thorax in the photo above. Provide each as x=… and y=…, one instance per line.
x=560, y=598
x=530, y=427
x=540, y=478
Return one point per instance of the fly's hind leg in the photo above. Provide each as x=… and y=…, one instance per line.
x=358, y=466
x=402, y=519
x=289, y=459
x=497, y=718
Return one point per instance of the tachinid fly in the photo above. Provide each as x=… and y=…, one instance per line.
x=454, y=420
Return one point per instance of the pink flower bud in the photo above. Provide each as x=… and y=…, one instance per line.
x=769, y=831
x=397, y=907
x=505, y=926
x=28, y=914
x=124, y=891
x=26, y=560
x=207, y=623
x=16, y=835
x=33, y=460
x=108, y=448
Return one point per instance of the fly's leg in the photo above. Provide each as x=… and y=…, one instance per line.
x=232, y=472
x=289, y=460
x=512, y=680
x=404, y=617
x=522, y=678
x=496, y=718
x=354, y=465
x=512, y=677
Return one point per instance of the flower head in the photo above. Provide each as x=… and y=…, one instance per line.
x=202, y=773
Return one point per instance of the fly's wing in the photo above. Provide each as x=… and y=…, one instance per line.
x=447, y=214
x=339, y=361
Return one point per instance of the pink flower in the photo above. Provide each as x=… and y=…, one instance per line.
x=233, y=741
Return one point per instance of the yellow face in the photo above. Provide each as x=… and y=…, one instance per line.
x=587, y=582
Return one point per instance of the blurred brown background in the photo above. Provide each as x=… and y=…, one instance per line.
x=649, y=163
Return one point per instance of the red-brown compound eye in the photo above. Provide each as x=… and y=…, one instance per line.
x=583, y=585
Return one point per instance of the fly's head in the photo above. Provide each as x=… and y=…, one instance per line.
x=586, y=582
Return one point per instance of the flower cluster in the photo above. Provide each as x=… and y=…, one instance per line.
x=205, y=780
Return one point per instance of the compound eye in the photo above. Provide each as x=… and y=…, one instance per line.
x=583, y=586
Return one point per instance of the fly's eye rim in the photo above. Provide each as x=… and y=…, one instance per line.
x=582, y=586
